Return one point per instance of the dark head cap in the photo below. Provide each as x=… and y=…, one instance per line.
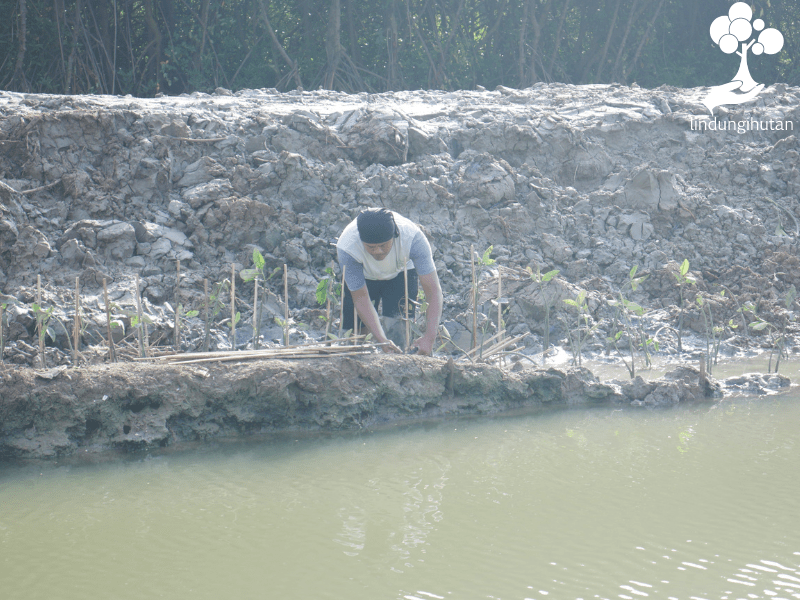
x=376, y=225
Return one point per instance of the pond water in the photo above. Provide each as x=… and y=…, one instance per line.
x=692, y=502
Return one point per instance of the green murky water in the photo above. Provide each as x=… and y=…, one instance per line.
x=695, y=502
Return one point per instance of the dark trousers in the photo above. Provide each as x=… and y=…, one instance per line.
x=390, y=292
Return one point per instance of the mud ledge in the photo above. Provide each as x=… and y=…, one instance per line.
x=125, y=407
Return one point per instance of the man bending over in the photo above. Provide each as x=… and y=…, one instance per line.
x=374, y=249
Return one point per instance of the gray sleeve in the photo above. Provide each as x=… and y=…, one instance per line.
x=354, y=274
x=421, y=255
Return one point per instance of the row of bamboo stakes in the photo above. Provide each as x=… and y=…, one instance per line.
x=493, y=346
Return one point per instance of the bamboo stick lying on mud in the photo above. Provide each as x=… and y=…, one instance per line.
x=321, y=346
x=308, y=351
x=502, y=345
x=248, y=355
x=484, y=344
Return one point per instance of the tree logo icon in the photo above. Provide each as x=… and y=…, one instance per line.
x=731, y=33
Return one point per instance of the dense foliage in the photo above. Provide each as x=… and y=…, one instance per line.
x=143, y=47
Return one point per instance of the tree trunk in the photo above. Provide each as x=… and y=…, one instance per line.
x=554, y=54
x=633, y=16
x=537, y=35
x=333, y=45
x=276, y=42
x=352, y=32
x=392, y=63
x=643, y=41
x=198, y=55
x=19, y=73
x=601, y=64
x=523, y=30
x=155, y=41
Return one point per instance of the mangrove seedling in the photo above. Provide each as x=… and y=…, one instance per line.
x=247, y=275
x=328, y=289
x=541, y=280
x=583, y=330
x=623, y=324
x=183, y=317
x=777, y=336
x=683, y=280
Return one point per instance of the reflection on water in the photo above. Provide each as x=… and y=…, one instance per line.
x=695, y=502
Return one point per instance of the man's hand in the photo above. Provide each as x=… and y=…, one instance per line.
x=424, y=345
x=390, y=347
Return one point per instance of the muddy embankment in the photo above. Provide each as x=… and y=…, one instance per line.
x=590, y=181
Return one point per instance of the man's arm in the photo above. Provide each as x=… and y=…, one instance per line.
x=369, y=315
x=433, y=294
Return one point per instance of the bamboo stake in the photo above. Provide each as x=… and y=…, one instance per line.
x=39, y=322
x=112, y=352
x=255, y=313
x=2, y=338
x=286, y=305
x=205, y=337
x=76, y=331
x=408, y=325
x=328, y=307
x=474, y=299
x=355, y=319
x=500, y=302
x=140, y=319
x=233, y=307
x=341, y=305
x=178, y=308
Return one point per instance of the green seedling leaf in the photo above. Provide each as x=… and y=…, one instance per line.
x=485, y=259
x=192, y=313
x=322, y=291
x=549, y=275
x=275, y=271
x=790, y=296
x=759, y=325
x=258, y=260
x=633, y=271
x=636, y=308
x=570, y=302
x=248, y=274
x=684, y=267
x=236, y=318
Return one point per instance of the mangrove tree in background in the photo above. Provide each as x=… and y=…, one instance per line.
x=145, y=47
